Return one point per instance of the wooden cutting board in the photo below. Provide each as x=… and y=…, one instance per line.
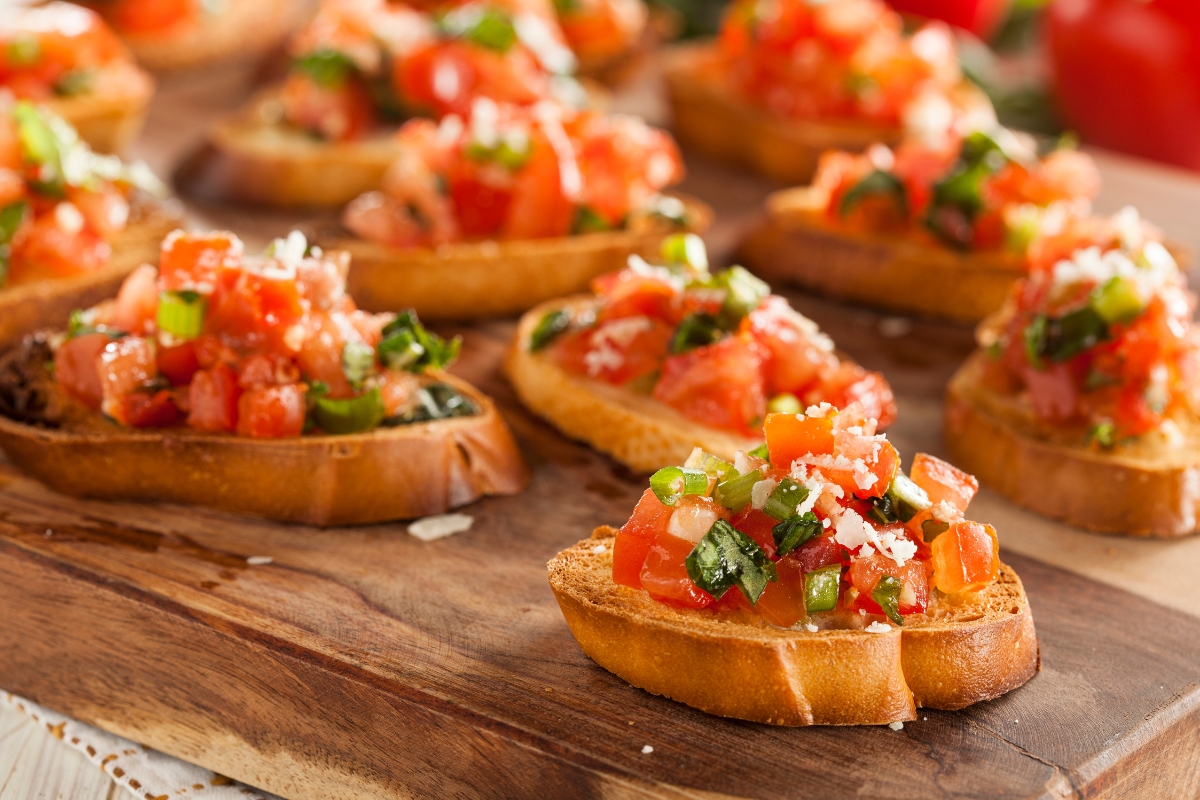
x=362, y=662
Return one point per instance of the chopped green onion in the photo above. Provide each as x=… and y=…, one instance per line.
x=487, y=27
x=887, y=594
x=327, y=68
x=671, y=483
x=549, y=328
x=784, y=403
x=588, y=221
x=23, y=51
x=725, y=558
x=696, y=330
x=685, y=248
x=907, y=498
x=436, y=401
x=39, y=144
x=795, y=531
x=362, y=413
x=821, y=588
x=1103, y=434
x=712, y=466
x=1117, y=300
x=958, y=198
x=11, y=217
x=76, y=82
x=875, y=184
x=761, y=452
x=734, y=493
x=933, y=528
x=781, y=503
x=358, y=362
x=745, y=292
x=404, y=336
x=181, y=314
x=512, y=153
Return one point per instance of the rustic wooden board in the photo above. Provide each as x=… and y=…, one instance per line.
x=363, y=662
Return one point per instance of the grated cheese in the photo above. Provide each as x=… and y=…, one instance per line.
x=878, y=627
x=439, y=527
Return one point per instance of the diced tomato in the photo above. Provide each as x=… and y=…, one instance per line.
x=757, y=526
x=148, y=410
x=790, y=437
x=1052, y=391
x=631, y=294
x=104, y=208
x=664, y=574
x=615, y=351
x=480, y=208
x=179, y=363
x=720, y=384
x=822, y=551
x=850, y=383
x=796, y=359
x=12, y=185
x=75, y=367
x=943, y=482
x=864, y=575
x=538, y=208
x=255, y=307
x=137, y=302
x=266, y=369
x=650, y=518
x=191, y=260
x=272, y=413
x=782, y=602
x=51, y=248
x=320, y=357
x=966, y=557
x=337, y=113
x=214, y=395
x=210, y=350
x=125, y=365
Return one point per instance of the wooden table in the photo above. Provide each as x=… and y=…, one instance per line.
x=363, y=662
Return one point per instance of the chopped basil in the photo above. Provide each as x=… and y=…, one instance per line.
x=671, y=483
x=907, y=499
x=958, y=198
x=1060, y=338
x=696, y=330
x=795, y=531
x=821, y=588
x=407, y=345
x=588, y=221
x=549, y=328
x=487, y=27
x=784, y=498
x=78, y=326
x=882, y=510
x=887, y=594
x=327, y=68
x=436, y=401
x=40, y=146
x=1104, y=434
x=876, y=184
x=933, y=528
x=725, y=558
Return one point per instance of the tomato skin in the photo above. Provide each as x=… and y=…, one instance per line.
x=664, y=574
x=274, y=412
x=48, y=250
x=178, y=364
x=980, y=17
x=822, y=551
x=125, y=365
x=481, y=209
x=794, y=362
x=191, y=260
x=136, y=308
x=720, y=384
x=851, y=383
x=943, y=482
x=1127, y=74
x=864, y=575
x=966, y=557
x=335, y=113
x=149, y=410
x=650, y=518
x=757, y=526
x=214, y=395
x=75, y=367
x=782, y=601
x=637, y=344
x=789, y=437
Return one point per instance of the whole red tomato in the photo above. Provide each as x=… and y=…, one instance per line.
x=1128, y=74
x=980, y=17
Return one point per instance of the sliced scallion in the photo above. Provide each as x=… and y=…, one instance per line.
x=181, y=314
x=716, y=468
x=687, y=249
x=907, y=498
x=760, y=452
x=784, y=403
x=358, y=362
x=356, y=415
x=1117, y=300
x=734, y=492
x=671, y=483
x=821, y=588
x=787, y=494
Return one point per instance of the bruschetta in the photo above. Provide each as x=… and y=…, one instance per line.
x=191, y=34
x=1084, y=403
x=608, y=37
x=358, y=69
x=662, y=359
x=510, y=208
x=809, y=582
x=66, y=58
x=776, y=90
x=938, y=230
x=252, y=385
x=72, y=224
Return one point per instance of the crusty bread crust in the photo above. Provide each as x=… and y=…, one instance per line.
x=1134, y=491
x=739, y=666
x=48, y=304
x=473, y=280
x=796, y=245
x=254, y=157
x=387, y=474
x=243, y=30
x=109, y=123
x=634, y=429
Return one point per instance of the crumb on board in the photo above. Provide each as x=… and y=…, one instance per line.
x=258, y=561
x=431, y=529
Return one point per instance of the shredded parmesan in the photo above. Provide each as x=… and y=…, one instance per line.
x=438, y=527
x=878, y=627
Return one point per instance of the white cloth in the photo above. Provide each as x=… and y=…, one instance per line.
x=146, y=773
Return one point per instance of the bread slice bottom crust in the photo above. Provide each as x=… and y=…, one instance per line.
x=387, y=474
x=1129, y=491
x=48, y=304
x=635, y=429
x=472, y=280
x=747, y=669
x=795, y=245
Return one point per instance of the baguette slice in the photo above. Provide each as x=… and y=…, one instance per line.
x=1147, y=489
x=471, y=280
x=710, y=118
x=796, y=245
x=387, y=474
x=740, y=667
x=635, y=429
x=235, y=30
x=28, y=307
x=109, y=123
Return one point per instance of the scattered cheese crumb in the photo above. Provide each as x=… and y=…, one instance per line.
x=432, y=528
x=811, y=628
x=761, y=491
x=647, y=750
x=818, y=411
x=878, y=627
x=598, y=549
x=896, y=726
x=258, y=561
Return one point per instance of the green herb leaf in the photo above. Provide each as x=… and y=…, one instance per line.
x=821, y=588
x=76, y=82
x=933, y=528
x=436, y=401
x=11, y=217
x=327, y=68
x=407, y=345
x=958, y=197
x=1072, y=333
x=887, y=594
x=549, y=328
x=795, y=531
x=784, y=498
x=39, y=145
x=725, y=558
x=485, y=26
x=696, y=330
x=882, y=511
x=760, y=452
x=588, y=221
x=876, y=184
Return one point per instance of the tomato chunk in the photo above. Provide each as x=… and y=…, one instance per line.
x=782, y=602
x=943, y=482
x=272, y=413
x=790, y=436
x=650, y=518
x=149, y=410
x=124, y=366
x=966, y=557
x=665, y=577
x=719, y=385
x=179, y=363
x=214, y=395
x=76, y=367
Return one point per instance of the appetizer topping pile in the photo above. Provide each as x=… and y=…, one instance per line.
x=844, y=60
x=61, y=205
x=717, y=347
x=1100, y=334
x=511, y=172
x=597, y=30
x=818, y=526
x=266, y=347
x=362, y=61
x=984, y=191
x=61, y=50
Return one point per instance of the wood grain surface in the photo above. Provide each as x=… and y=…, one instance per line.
x=362, y=662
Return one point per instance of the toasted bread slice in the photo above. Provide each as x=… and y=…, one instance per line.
x=235, y=30
x=109, y=122
x=387, y=474
x=1146, y=488
x=736, y=665
x=28, y=307
x=796, y=245
x=635, y=429
x=473, y=280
